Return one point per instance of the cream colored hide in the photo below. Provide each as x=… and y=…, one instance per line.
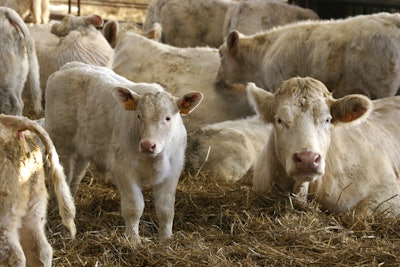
x=131, y=132
x=38, y=9
x=72, y=39
x=249, y=17
x=191, y=23
x=342, y=152
x=18, y=65
x=23, y=194
x=188, y=23
x=177, y=70
x=355, y=55
x=227, y=150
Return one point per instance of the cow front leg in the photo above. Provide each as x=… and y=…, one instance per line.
x=164, y=201
x=132, y=205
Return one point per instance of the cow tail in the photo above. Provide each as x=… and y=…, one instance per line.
x=33, y=75
x=65, y=200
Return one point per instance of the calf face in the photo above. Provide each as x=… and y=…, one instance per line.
x=157, y=115
x=303, y=112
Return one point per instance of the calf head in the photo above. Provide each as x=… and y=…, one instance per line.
x=303, y=113
x=157, y=115
x=71, y=22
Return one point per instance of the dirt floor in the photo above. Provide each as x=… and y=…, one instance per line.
x=219, y=224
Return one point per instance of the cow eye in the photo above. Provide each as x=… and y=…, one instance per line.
x=328, y=120
x=278, y=120
x=138, y=116
x=168, y=118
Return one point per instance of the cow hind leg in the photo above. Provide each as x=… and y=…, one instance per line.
x=38, y=251
x=11, y=253
x=80, y=166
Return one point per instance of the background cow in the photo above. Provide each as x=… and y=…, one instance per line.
x=355, y=55
x=141, y=143
x=249, y=17
x=72, y=39
x=226, y=150
x=23, y=194
x=18, y=65
x=327, y=148
x=191, y=23
x=178, y=70
x=38, y=9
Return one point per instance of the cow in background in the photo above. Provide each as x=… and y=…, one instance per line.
x=355, y=55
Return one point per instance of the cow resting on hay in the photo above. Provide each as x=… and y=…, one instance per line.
x=353, y=55
x=139, y=142
x=23, y=195
x=342, y=152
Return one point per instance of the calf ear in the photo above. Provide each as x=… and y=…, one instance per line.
x=155, y=32
x=127, y=97
x=189, y=102
x=350, y=108
x=262, y=102
x=94, y=20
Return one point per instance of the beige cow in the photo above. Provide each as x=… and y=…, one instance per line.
x=227, y=150
x=342, y=152
x=23, y=194
x=355, y=55
x=39, y=9
x=249, y=17
x=18, y=65
x=178, y=70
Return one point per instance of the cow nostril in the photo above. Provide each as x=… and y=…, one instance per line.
x=296, y=158
x=317, y=158
x=148, y=146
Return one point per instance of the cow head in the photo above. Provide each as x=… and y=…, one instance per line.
x=303, y=113
x=71, y=22
x=234, y=66
x=157, y=115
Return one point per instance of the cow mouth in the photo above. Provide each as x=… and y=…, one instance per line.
x=306, y=176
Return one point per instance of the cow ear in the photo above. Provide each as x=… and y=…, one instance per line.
x=110, y=32
x=155, y=32
x=232, y=41
x=262, y=102
x=94, y=20
x=189, y=102
x=127, y=97
x=350, y=108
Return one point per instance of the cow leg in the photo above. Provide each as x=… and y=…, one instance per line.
x=300, y=189
x=11, y=253
x=132, y=206
x=38, y=251
x=79, y=169
x=164, y=201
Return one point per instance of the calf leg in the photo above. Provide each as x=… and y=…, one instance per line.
x=164, y=201
x=132, y=206
x=80, y=166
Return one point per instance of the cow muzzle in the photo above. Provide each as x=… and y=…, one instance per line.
x=307, y=165
x=148, y=146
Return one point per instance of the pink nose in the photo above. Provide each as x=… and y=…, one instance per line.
x=307, y=161
x=148, y=146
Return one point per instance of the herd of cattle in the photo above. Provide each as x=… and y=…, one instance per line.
x=224, y=87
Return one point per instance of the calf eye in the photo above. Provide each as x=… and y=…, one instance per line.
x=138, y=116
x=278, y=120
x=168, y=118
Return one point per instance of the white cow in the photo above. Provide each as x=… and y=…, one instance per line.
x=23, y=194
x=131, y=132
x=39, y=9
x=72, y=39
x=355, y=55
x=18, y=65
x=191, y=23
x=249, y=17
x=227, y=150
x=342, y=152
x=178, y=70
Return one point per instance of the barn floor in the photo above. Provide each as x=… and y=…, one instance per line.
x=222, y=224
x=219, y=224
